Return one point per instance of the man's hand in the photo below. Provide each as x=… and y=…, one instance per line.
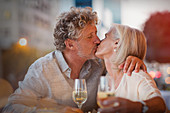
x=132, y=63
x=122, y=106
x=72, y=110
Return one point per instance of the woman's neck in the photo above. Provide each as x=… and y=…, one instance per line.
x=113, y=71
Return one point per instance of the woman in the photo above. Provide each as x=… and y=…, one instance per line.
x=120, y=42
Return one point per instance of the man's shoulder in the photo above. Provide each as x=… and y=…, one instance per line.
x=44, y=60
x=40, y=65
x=97, y=66
x=98, y=62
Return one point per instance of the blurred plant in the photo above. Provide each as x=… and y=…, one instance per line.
x=157, y=32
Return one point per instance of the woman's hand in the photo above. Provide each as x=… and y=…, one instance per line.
x=132, y=63
x=120, y=105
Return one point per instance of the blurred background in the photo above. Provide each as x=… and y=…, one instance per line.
x=26, y=32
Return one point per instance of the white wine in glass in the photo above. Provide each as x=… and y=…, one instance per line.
x=80, y=92
x=105, y=89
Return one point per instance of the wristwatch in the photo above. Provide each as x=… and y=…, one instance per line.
x=144, y=107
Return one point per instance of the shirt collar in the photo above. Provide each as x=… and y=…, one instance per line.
x=62, y=63
x=84, y=73
x=86, y=70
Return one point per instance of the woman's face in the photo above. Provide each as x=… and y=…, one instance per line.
x=107, y=46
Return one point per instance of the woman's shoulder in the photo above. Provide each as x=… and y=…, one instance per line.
x=137, y=78
x=141, y=75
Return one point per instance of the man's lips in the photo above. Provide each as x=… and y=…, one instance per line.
x=95, y=48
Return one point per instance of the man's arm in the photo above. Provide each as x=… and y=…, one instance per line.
x=31, y=96
x=155, y=105
x=132, y=63
x=24, y=100
x=20, y=108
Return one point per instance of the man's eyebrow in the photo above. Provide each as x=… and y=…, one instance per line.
x=93, y=32
x=90, y=34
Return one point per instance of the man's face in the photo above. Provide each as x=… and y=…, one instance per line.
x=87, y=42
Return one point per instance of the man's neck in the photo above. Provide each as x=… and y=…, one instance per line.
x=75, y=62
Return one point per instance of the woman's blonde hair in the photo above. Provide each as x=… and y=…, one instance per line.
x=132, y=42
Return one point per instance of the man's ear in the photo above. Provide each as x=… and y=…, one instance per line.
x=70, y=44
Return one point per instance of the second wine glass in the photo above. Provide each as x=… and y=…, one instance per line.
x=105, y=89
x=80, y=92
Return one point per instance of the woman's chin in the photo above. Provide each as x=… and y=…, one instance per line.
x=98, y=55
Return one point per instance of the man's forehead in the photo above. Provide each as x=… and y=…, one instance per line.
x=90, y=29
x=87, y=31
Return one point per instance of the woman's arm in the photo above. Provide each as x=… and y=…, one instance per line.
x=147, y=91
x=155, y=105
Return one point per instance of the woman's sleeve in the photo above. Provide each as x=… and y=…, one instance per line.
x=147, y=88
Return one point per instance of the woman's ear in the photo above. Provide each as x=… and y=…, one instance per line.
x=117, y=41
x=70, y=44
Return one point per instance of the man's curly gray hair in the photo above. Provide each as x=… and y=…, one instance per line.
x=69, y=24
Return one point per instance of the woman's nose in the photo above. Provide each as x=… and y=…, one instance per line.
x=101, y=40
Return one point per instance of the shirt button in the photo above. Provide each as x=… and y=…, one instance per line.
x=69, y=69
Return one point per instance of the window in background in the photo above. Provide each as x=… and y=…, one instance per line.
x=83, y=3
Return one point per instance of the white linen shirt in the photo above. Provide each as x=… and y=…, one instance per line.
x=48, y=84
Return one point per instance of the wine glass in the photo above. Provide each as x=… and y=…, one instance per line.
x=80, y=92
x=105, y=89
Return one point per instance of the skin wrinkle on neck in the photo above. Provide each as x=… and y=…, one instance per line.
x=113, y=71
x=75, y=63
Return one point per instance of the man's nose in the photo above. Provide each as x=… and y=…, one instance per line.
x=97, y=40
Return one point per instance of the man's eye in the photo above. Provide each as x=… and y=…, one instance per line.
x=89, y=37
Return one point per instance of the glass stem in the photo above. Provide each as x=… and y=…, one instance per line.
x=79, y=105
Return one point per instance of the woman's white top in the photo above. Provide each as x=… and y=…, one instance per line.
x=138, y=86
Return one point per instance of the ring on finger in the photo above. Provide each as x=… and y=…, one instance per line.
x=116, y=104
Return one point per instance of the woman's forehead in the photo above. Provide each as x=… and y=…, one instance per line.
x=112, y=30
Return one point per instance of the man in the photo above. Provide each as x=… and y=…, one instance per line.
x=48, y=84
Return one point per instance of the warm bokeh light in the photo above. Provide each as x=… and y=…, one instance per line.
x=168, y=70
x=167, y=80
x=22, y=42
x=152, y=73
x=158, y=74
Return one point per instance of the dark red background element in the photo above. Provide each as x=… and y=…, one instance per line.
x=157, y=32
